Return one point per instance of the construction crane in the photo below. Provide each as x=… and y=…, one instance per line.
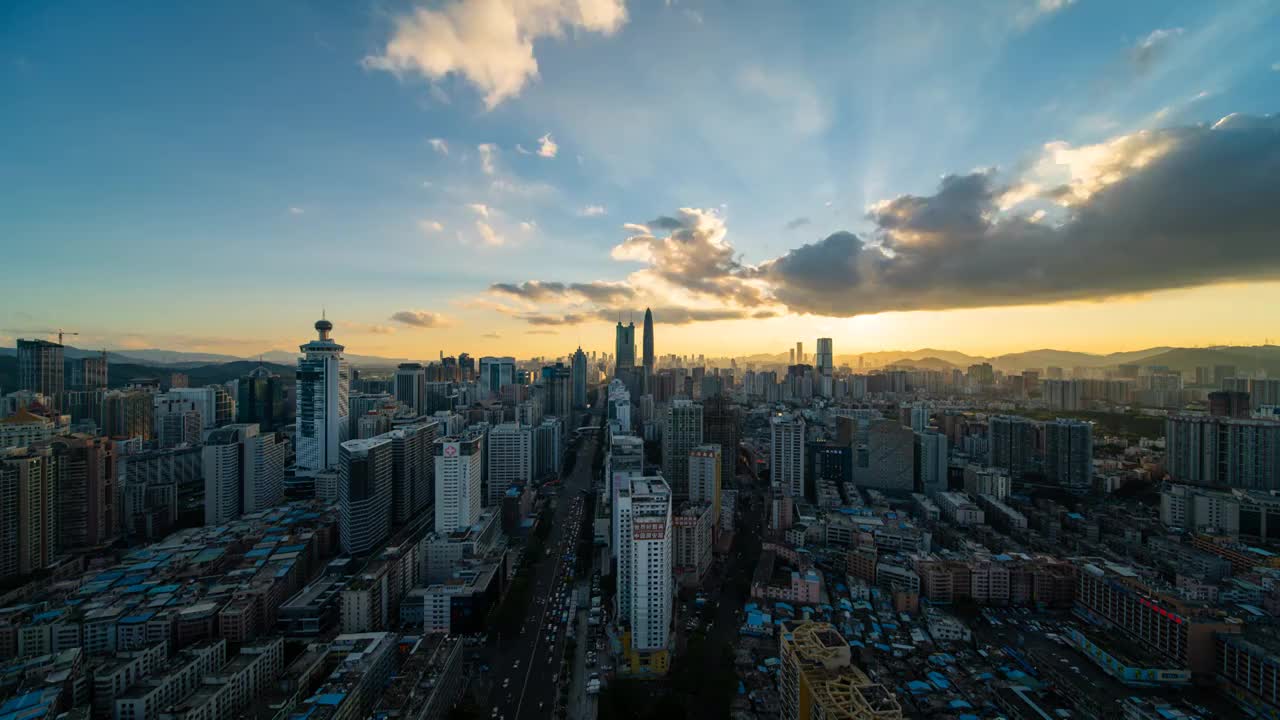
x=59, y=332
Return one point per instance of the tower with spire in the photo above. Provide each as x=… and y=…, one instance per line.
x=647, y=357
x=323, y=383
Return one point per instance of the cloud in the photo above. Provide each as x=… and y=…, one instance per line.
x=546, y=319
x=522, y=150
x=1035, y=10
x=528, y=225
x=479, y=209
x=1150, y=211
x=491, y=336
x=296, y=210
x=439, y=145
x=547, y=147
x=1275, y=67
x=805, y=109
x=419, y=318
x=1151, y=48
x=796, y=223
x=381, y=330
x=488, y=235
x=487, y=151
x=490, y=43
x=664, y=315
x=541, y=332
x=592, y=211
x=537, y=291
x=430, y=226
x=637, y=228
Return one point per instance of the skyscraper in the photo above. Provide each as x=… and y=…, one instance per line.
x=1068, y=453
x=647, y=358
x=786, y=454
x=557, y=382
x=495, y=374
x=720, y=425
x=40, y=368
x=624, y=347
x=579, y=378
x=509, y=448
x=1011, y=444
x=824, y=363
x=642, y=516
x=87, y=515
x=323, y=381
x=800, y=352
x=89, y=373
x=243, y=472
x=364, y=494
x=1223, y=451
x=681, y=433
x=261, y=400
x=931, y=462
x=413, y=476
x=705, y=479
x=458, y=475
x=29, y=536
x=411, y=387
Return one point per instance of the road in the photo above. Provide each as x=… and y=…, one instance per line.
x=525, y=675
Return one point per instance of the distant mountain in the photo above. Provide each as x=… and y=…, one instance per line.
x=1247, y=360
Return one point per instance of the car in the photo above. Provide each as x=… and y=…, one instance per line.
x=506, y=683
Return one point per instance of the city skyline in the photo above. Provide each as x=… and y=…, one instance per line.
x=1072, y=175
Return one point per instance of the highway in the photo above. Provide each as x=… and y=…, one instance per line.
x=524, y=676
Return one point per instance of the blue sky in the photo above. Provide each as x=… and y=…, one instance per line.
x=209, y=175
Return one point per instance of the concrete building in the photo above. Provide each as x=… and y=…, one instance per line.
x=681, y=432
x=243, y=471
x=410, y=387
x=458, y=469
x=931, y=461
x=413, y=473
x=705, y=481
x=365, y=471
x=1224, y=452
x=509, y=451
x=887, y=461
x=958, y=508
x=694, y=525
x=1068, y=454
x=323, y=382
x=786, y=454
x=41, y=368
x=29, y=537
x=495, y=374
x=649, y=597
x=818, y=680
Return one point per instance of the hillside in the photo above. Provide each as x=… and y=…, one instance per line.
x=120, y=374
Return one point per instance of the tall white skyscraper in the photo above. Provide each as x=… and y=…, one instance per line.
x=509, y=450
x=243, y=472
x=642, y=513
x=786, y=453
x=364, y=494
x=323, y=382
x=458, y=473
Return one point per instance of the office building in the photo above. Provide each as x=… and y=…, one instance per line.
x=817, y=679
x=624, y=354
x=1229, y=403
x=548, y=447
x=243, y=472
x=887, y=460
x=410, y=388
x=1068, y=454
x=322, y=385
x=365, y=471
x=495, y=374
x=786, y=454
x=1011, y=443
x=29, y=536
x=824, y=365
x=1223, y=451
x=681, y=432
x=87, y=504
x=509, y=451
x=412, y=475
x=128, y=414
x=647, y=357
x=931, y=461
x=89, y=373
x=579, y=367
x=40, y=368
x=458, y=472
x=721, y=425
x=260, y=400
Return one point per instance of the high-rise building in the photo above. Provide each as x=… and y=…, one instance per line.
x=323, y=384
x=29, y=536
x=89, y=373
x=127, y=414
x=931, y=462
x=647, y=356
x=261, y=400
x=243, y=472
x=644, y=511
x=625, y=458
x=1011, y=443
x=509, y=449
x=579, y=366
x=40, y=368
x=557, y=383
x=786, y=454
x=1229, y=403
x=1222, y=451
x=720, y=425
x=458, y=477
x=681, y=432
x=704, y=477
x=624, y=347
x=1068, y=454
x=548, y=447
x=87, y=512
x=824, y=364
x=887, y=461
x=413, y=475
x=799, y=353
x=495, y=374
x=817, y=679
x=365, y=472
x=411, y=387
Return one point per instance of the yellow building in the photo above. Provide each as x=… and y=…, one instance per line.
x=818, y=680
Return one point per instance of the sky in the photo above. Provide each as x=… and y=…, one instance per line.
x=513, y=176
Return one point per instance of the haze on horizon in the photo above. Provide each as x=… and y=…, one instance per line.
x=507, y=177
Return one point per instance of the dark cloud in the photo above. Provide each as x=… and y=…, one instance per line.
x=546, y=319
x=1150, y=49
x=796, y=223
x=693, y=256
x=665, y=222
x=537, y=290
x=1166, y=209
x=419, y=318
